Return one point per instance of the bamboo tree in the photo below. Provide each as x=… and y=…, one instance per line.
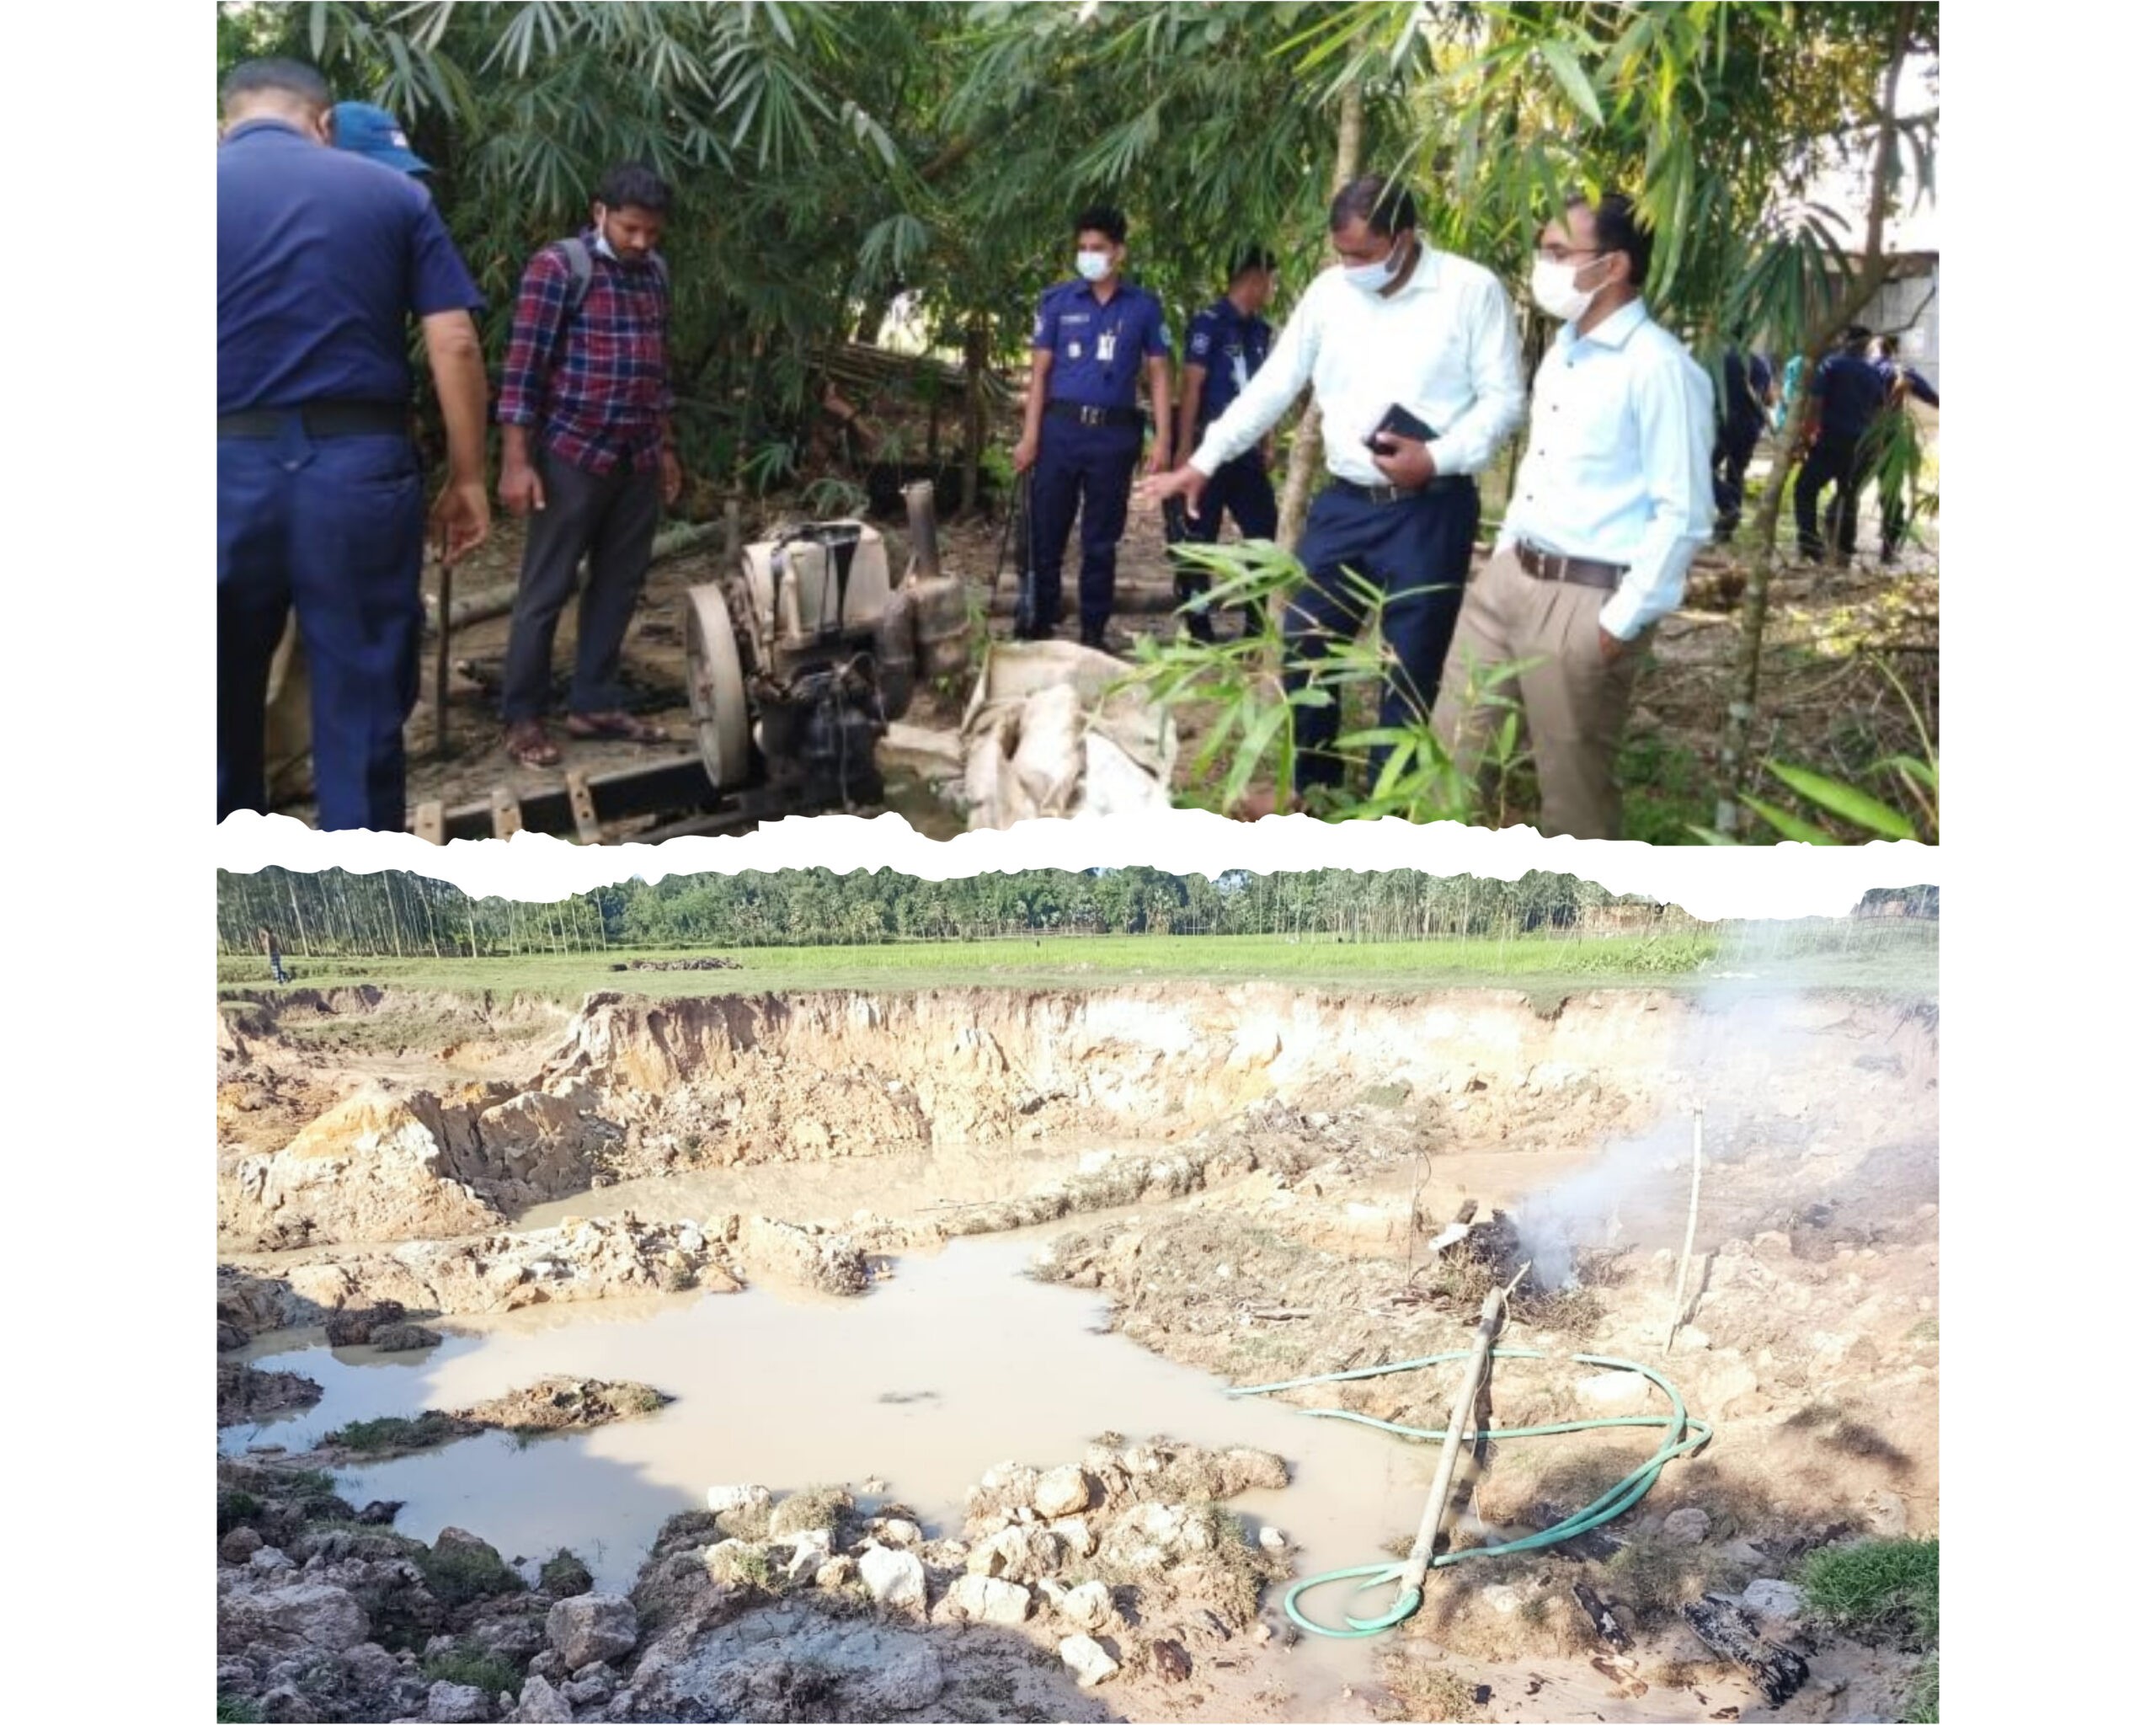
x=1304, y=461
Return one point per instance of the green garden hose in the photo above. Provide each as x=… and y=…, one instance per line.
x=1681, y=1434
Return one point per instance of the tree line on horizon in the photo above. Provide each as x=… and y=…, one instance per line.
x=401, y=914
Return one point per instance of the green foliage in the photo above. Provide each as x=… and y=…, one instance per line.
x=1250, y=737
x=234, y=1508
x=565, y=1575
x=333, y=915
x=238, y=1708
x=1857, y=811
x=809, y=1509
x=459, y=1575
x=468, y=1662
x=396, y=1432
x=1884, y=1588
x=1920, y=1706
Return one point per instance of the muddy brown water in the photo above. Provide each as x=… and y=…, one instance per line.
x=957, y=1361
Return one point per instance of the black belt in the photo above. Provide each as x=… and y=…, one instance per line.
x=1094, y=416
x=1401, y=493
x=321, y=419
x=1553, y=566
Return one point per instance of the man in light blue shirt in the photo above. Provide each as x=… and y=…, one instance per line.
x=1613, y=497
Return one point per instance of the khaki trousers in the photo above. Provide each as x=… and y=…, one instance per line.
x=1572, y=704
x=288, y=727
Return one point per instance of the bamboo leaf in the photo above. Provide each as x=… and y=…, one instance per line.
x=1844, y=800
x=1572, y=78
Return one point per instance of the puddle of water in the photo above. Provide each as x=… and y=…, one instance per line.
x=958, y=1363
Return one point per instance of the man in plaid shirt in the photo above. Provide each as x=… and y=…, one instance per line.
x=587, y=457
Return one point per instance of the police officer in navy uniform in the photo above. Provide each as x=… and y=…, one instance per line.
x=1227, y=344
x=321, y=257
x=1845, y=397
x=1083, y=428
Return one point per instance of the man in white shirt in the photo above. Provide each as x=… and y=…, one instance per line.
x=1398, y=329
x=1613, y=497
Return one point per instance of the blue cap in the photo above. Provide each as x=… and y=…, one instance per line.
x=373, y=132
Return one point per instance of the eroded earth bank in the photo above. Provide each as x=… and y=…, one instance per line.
x=845, y=1356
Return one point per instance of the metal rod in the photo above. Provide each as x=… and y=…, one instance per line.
x=1691, y=1225
x=921, y=518
x=441, y=667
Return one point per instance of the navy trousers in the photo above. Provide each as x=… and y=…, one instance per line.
x=1833, y=461
x=1417, y=552
x=1241, y=489
x=1734, y=447
x=1078, y=465
x=332, y=529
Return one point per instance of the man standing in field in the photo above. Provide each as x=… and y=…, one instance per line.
x=322, y=257
x=1612, y=502
x=1226, y=346
x=1083, y=428
x=588, y=456
x=1414, y=359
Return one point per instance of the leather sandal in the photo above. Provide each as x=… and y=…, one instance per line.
x=528, y=745
x=626, y=726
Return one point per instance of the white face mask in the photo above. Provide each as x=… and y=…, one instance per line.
x=1371, y=278
x=1093, y=266
x=1555, y=290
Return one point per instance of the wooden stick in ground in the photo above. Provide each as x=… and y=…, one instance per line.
x=1434, y=1507
x=1691, y=1225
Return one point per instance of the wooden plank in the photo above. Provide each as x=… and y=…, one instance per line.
x=582, y=809
x=507, y=812
x=427, y=822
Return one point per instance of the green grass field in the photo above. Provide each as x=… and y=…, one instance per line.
x=1895, y=956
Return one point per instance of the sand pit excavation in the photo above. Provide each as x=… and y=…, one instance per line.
x=834, y=1355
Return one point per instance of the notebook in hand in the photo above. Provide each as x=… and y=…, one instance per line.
x=1397, y=423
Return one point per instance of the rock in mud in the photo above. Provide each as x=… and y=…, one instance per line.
x=1075, y=1534
x=1063, y=1491
x=355, y=1326
x=1087, y=1658
x=239, y=1545
x=1687, y=1526
x=556, y=1404
x=894, y=1577
x=302, y=1615
x=762, y=1665
x=741, y=1512
x=981, y=1599
x=541, y=1704
x=458, y=1704
x=406, y=1339
x=1271, y=1539
x=591, y=1626
x=1171, y=1662
x=245, y=1394
x=1089, y=1605
x=830, y=1263
x=1776, y=1604
x=1005, y=1487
